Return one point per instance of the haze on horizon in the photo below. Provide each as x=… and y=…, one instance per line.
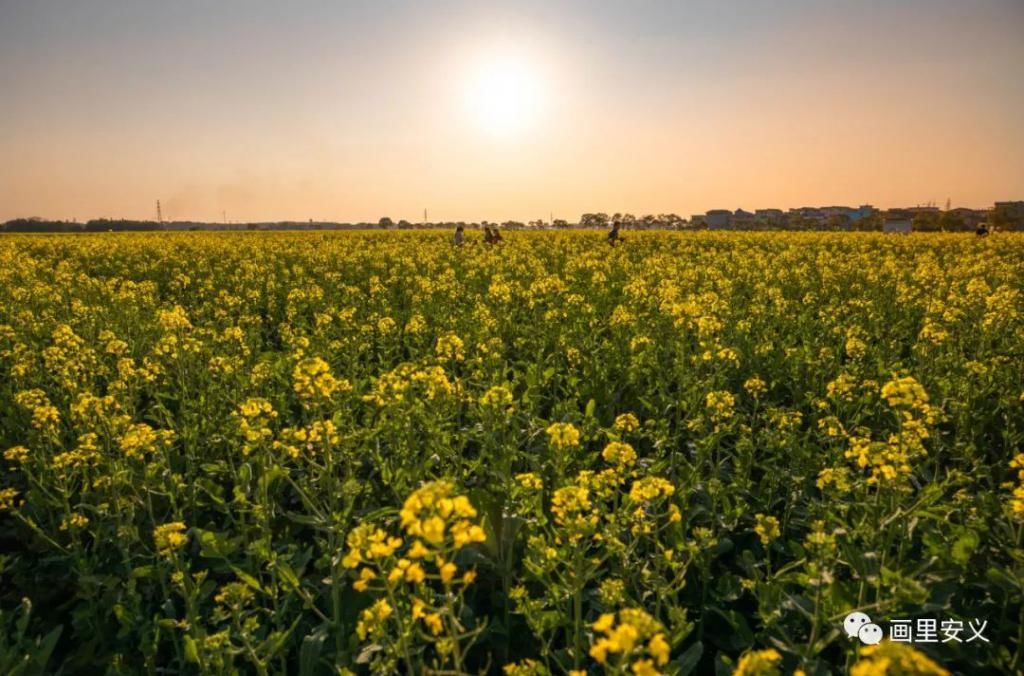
x=350, y=111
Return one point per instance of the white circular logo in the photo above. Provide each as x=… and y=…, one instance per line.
x=870, y=634
x=853, y=623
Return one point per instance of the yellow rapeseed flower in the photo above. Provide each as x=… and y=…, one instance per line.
x=563, y=436
x=169, y=537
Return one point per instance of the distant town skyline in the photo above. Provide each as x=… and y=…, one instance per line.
x=348, y=111
x=1002, y=215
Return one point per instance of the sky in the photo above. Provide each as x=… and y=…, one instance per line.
x=259, y=110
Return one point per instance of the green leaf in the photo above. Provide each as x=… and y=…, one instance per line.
x=288, y=575
x=247, y=578
x=42, y=654
x=688, y=661
x=214, y=545
x=191, y=652
x=268, y=479
x=312, y=646
x=964, y=546
x=143, y=572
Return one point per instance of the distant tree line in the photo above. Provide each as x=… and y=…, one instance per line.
x=999, y=218
x=95, y=225
x=649, y=221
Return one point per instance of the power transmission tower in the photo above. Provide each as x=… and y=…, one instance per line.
x=159, y=213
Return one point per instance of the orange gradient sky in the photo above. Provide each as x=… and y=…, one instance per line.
x=352, y=111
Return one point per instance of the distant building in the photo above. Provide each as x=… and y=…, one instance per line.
x=1007, y=216
x=810, y=213
x=898, y=221
x=718, y=219
x=741, y=219
x=768, y=215
x=863, y=211
x=1016, y=208
x=828, y=212
x=971, y=218
x=697, y=221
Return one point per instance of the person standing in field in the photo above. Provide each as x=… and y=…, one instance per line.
x=613, y=236
x=460, y=236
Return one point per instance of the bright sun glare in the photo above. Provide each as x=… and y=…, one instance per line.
x=504, y=96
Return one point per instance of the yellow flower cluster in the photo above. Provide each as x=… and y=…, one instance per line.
x=429, y=511
x=75, y=521
x=8, y=499
x=170, y=537
x=530, y=667
x=767, y=528
x=313, y=438
x=755, y=387
x=636, y=639
x=933, y=332
x=620, y=454
x=16, y=454
x=627, y=423
x=450, y=348
x=904, y=392
x=759, y=663
x=563, y=436
x=253, y=417
x=175, y=319
x=720, y=405
x=498, y=396
x=313, y=382
x=68, y=359
x=86, y=453
x=530, y=481
x=855, y=348
x=437, y=524
x=140, y=439
x=367, y=543
x=1017, y=499
x=407, y=383
x=372, y=619
x=574, y=511
x=91, y=411
x=45, y=416
x=650, y=488
x=891, y=460
x=892, y=659
x=837, y=477
x=909, y=397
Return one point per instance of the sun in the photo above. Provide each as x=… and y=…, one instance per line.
x=504, y=96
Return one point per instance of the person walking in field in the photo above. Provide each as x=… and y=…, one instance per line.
x=491, y=235
x=613, y=236
x=460, y=236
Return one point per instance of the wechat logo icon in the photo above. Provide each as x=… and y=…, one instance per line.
x=859, y=625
